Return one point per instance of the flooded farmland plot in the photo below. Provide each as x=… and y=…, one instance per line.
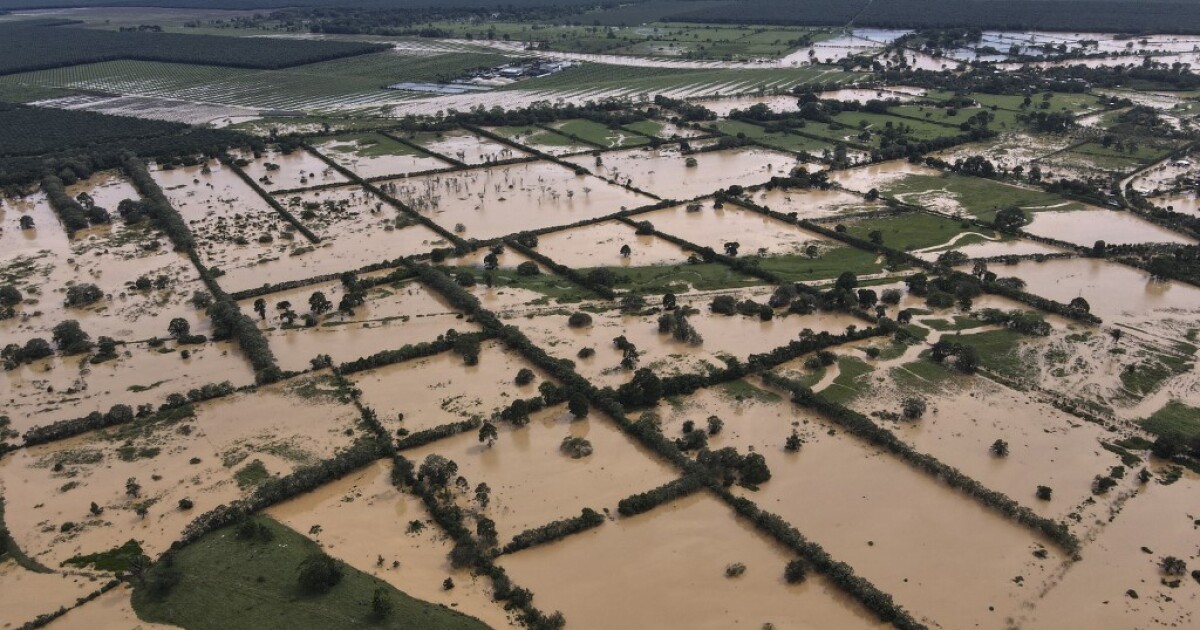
x=212, y=454
x=364, y=517
x=535, y=320
x=1085, y=227
x=603, y=245
x=671, y=175
x=375, y=155
x=449, y=390
x=389, y=317
x=501, y=200
x=754, y=233
x=533, y=481
x=279, y=170
x=683, y=550
x=465, y=147
x=814, y=204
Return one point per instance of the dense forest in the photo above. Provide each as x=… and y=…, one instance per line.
x=79, y=142
x=46, y=44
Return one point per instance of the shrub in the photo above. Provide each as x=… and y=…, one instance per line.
x=795, y=572
x=735, y=570
x=528, y=268
x=913, y=408
x=579, y=319
x=1044, y=493
x=576, y=447
x=83, y=294
x=70, y=338
x=319, y=573
x=525, y=376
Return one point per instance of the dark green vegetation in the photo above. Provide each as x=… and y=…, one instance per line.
x=53, y=44
x=224, y=580
x=115, y=560
x=76, y=143
x=1174, y=418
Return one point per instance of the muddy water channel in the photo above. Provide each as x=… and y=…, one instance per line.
x=708, y=226
x=1115, y=292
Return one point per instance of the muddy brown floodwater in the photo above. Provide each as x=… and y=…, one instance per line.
x=666, y=173
x=666, y=569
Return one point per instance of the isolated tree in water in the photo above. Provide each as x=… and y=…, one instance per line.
x=260, y=307
x=179, y=328
x=488, y=434
x=626, y=251
x=318, y=303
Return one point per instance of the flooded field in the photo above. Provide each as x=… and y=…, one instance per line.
x=466, y=147
x=814, y=204
x=534, y=483
x=501, y=200
x=389, y=318
x=1115, y=292
x=1085, y=227
x=444, y=389
x=713, y=227
x=364, y=517
x=667, y=174
x=399, y=388
x=374, y=155
x=682, y=550
x=603, y=244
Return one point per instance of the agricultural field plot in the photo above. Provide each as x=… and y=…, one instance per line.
x=542, y=140
x=390, y=316
x=752, y=233
x=718, y=336
x=1095, y=156
x=597, y=135
x=814, y=204
x=979, y=245
x=512, y=288
x=501, y=200
x=68, y=387
x=363, y=517
x=230, y=446
x=725, y=106
x=976, y=197
x=886, y=517
x=329, y=86
x=1114, y=292
x=600, y=79
x=1047, y=447
x=356, y=229
x=450, y=390
x=667, y=173
x=999, y=119
x=278, y=170
x=666, y=130
x=1153, y=518
x=465, y=147
x=43, y=263
x=533, y=482
x=1057, y=101
x=774, y=139
x=913, y=231
x=603, y=245
x=1085, y=227
x=1012, y=149
x=683, y=549
x=877, y=123
x=26, y=594
x=374, y=155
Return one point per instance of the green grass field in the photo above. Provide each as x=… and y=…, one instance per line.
x=850, y=381
x=909, y=231
x=595, y=133
x=553, y=287
x=659, y=279
x=978, y=196
x=370, y=145
x=596, y=76
x=775, y=140
x=534, y=135
x=830, y=264
x=231, y=583
x=1174, y=417
x=997, y=351
x=876, y=123
x=1059, y=101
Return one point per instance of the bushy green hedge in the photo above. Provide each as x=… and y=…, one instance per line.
x=551, y=532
